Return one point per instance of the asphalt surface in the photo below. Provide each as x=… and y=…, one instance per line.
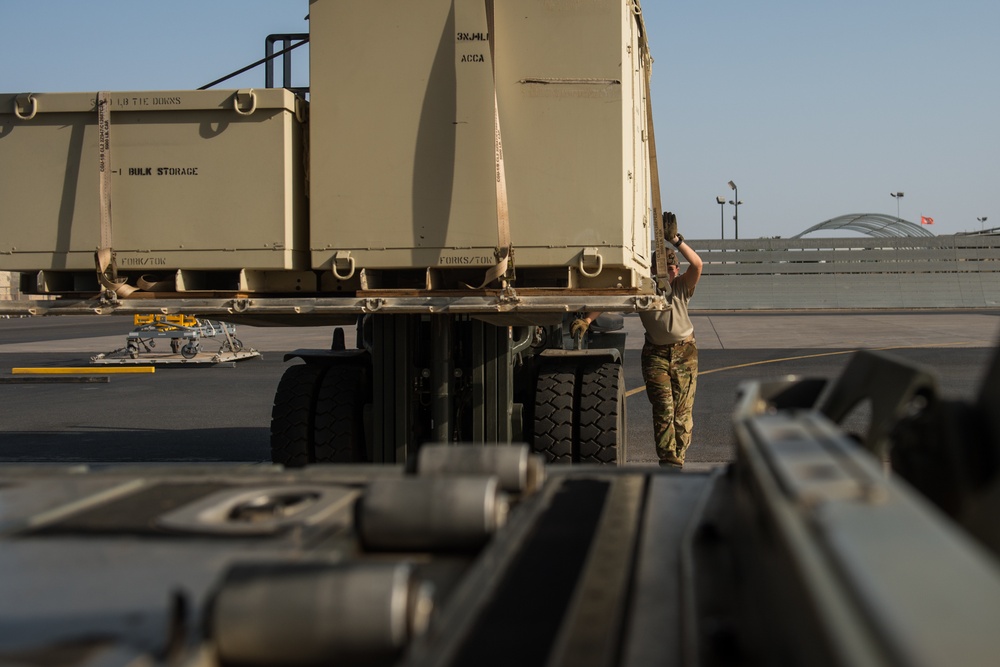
x=222, y=413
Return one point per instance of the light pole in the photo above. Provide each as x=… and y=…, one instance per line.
x=897, y=196
x=982, y=227
x=736, y=202
x=722, y=216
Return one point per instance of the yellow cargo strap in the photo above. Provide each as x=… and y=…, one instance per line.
x=505, y=250
x=654, y=172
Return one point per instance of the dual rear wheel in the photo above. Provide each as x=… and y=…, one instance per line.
x=579, y=411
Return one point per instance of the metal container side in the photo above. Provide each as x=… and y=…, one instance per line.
x=200, y=180
x=403, y=140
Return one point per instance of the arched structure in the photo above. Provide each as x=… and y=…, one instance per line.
x=872, y=224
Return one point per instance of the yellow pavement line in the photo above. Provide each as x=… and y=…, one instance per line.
x=775, y=361
x=639, y=390
x=83, y=371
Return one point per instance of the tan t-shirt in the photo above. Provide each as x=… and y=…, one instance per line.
x=672, y=324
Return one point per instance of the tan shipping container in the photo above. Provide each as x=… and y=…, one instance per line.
x=199, y=180
x=403, y=141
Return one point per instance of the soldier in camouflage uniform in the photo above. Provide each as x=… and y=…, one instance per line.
x=670, y=355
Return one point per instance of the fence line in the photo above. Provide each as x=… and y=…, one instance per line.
x=908, y=272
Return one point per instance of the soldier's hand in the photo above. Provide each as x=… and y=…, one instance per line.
x=670, y=220
x=579, y=327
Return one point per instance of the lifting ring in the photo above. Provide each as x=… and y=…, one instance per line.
x=34, y=108
x=253, y=102
x=350, y=273
x=600, y=266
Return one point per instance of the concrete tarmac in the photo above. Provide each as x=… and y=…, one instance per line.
x=736, y=347
x=223, y=413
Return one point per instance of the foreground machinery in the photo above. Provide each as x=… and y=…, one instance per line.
x=461, y=180
x=803, y=551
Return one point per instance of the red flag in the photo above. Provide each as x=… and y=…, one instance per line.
x=926, y=221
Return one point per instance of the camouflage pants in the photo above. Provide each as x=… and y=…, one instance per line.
x=671, y=375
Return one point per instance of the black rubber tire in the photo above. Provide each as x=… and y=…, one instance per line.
x=339, y=432
x=190, y=351
x=601, y=422
x=293, y=415
x=553, y=415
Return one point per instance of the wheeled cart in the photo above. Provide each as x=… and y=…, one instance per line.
x=185, y=334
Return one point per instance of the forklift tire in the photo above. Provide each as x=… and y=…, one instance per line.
x=339, y=433
x=601, y=414
x=293, y=414
x=553, y=415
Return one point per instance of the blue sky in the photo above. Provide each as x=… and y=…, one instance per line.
x=815, y=109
